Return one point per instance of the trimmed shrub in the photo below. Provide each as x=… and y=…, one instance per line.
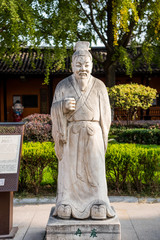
x=130, y=97
x=38, y=127
x=132, y=165
x=35, y=158
x=140, y=136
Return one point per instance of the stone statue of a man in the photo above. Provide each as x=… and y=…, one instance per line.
x=81, y=118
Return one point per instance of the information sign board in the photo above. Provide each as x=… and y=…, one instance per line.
x=9, y=153
x=11, y=136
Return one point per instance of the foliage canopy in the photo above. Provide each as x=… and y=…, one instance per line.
x=118, y=24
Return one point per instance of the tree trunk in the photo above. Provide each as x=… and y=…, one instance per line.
x=110, y=75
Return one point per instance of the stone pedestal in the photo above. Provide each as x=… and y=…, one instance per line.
x=73, y=229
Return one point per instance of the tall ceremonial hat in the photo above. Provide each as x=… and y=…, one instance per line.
x=81, y=49
x=82, y=45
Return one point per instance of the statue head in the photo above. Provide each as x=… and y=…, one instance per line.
x=82, y=64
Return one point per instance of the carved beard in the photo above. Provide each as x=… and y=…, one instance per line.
x=83, y=83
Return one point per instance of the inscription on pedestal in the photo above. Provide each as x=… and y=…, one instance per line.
x=73, y=229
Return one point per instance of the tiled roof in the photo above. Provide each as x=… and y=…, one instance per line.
x=27, y=63
x=33, y=63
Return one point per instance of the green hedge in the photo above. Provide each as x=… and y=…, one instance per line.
x=129, y=167
x=36, y=159
x=147, y=124
x=140, y=136
x=133, y=167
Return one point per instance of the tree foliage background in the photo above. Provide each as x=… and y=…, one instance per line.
x=119, y=25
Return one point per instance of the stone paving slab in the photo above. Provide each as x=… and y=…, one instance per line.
x=143, y=219
x=139, y=221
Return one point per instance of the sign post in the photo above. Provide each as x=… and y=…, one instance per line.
x=11, y=138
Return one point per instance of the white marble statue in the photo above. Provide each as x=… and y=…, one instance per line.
x=81, y=118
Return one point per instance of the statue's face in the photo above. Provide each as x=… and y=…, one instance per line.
x=82, y=68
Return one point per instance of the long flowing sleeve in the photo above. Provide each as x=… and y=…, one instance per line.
x=59, y=123
x=105, y=114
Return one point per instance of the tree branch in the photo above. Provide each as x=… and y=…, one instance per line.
x=110, y=33
x=126, y=38
x=91, y=19
x=96, y=28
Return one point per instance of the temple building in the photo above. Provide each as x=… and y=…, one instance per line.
x=24, y=83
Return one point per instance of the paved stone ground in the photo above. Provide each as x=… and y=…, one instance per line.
x=139, y=221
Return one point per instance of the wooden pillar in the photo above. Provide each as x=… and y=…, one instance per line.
x=50, y=87
x=6, y=212
x=148, y=117
x=1, y=101
x=5, y=98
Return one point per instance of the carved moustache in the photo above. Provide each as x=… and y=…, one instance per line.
x=83, y=73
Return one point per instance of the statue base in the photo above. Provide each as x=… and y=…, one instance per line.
x=73, y=229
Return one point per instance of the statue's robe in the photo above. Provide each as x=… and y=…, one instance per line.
x=80, y=143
